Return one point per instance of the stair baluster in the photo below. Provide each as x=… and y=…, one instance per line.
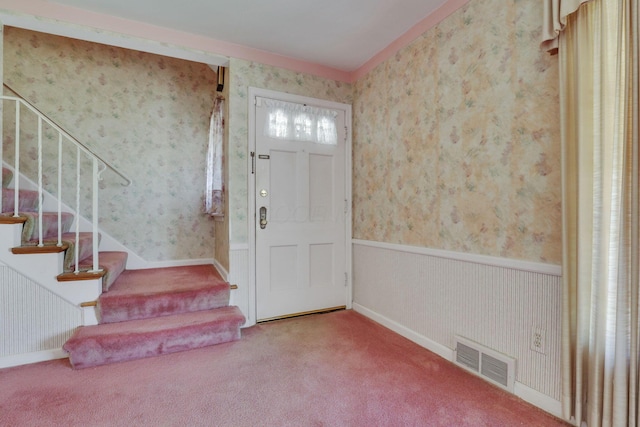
x=94, y=217
x=16, y=170
x=59, y=190
x=77, y=246
x=40, y=236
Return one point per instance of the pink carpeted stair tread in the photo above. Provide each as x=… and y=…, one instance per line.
x=113, y=262
x=30, y=229
x=139, y=294
x=27, y=202
x=117, y=342
x=7, y=176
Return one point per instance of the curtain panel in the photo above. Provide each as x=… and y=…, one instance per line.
x=214, y=191
x=599, y=90
x=554, y=20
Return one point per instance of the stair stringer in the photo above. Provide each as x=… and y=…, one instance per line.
x=43, y=269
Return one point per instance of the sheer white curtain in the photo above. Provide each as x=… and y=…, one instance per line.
x=214, y=192
x=598, y=58
x=298, y=122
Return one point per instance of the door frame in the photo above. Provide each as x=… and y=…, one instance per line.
x=251, y=186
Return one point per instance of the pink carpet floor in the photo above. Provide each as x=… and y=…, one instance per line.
x=336, y=369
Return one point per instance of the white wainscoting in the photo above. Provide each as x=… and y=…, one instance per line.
x=34, y=323
x=239, y=275
x=429, y=296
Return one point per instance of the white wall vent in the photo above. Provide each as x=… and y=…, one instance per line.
x=489, y=364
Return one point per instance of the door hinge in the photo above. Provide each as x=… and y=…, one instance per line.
x=346, y=206
x=346, y=279
x=346, y=130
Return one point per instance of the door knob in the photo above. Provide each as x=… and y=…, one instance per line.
x=263, y=217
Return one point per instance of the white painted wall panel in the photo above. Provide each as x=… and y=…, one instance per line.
x=437, y=297
x=239, y=275
x=32, y=319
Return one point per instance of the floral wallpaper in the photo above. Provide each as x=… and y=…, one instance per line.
x=245, y=74
x=457, y=139
x=146, y=114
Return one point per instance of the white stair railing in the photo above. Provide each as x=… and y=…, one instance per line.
x=99, y=165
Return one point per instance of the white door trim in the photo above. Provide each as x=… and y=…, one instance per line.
x=251, y=209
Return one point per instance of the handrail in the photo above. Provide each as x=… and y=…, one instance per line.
x=66, y=134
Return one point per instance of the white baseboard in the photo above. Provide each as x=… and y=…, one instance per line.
x=35, y=357
x=542, y=401
x=423, y=341
x=223, y=271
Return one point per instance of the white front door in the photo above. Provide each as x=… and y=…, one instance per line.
x=300, y=227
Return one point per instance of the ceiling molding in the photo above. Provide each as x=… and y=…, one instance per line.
x=57, y=19
x=407, y=38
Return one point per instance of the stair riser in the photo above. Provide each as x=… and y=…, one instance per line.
x=7, y=177
x=27, y=202
x=114, y=263
x=84, y=245
x=119, y=348
x=49, y=225
x=85, y=249
x=113, y=310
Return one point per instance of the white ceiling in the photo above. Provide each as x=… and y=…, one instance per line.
x=341, y=34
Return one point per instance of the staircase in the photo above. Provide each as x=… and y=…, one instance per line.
x=140, y=313
x=157, y=311
x=124, y=314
